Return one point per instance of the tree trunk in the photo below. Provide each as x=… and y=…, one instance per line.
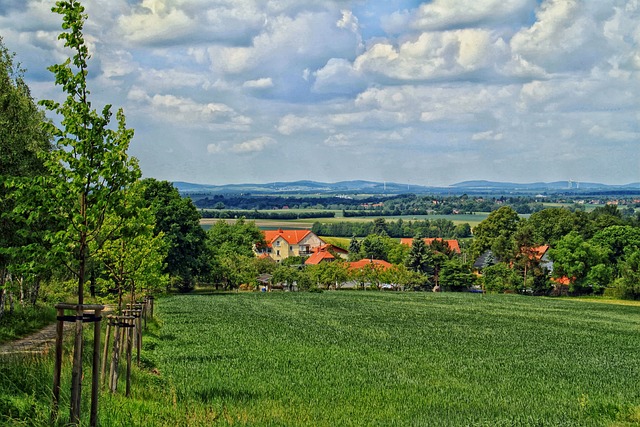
x=35, y=291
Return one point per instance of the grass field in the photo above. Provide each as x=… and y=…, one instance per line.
x=399, y=359
x=307, y=223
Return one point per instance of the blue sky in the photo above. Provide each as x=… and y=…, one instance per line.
x=430, y=93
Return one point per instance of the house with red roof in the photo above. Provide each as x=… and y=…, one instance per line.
x=320, y=256
x=376, y=263
x=453, y=244
x=282, y=244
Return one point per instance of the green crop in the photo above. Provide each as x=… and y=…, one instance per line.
x=341, y=358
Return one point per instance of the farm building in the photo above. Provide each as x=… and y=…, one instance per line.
x=283, y=244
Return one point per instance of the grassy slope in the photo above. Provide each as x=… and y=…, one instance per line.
x=369, y=358
x=405, y=359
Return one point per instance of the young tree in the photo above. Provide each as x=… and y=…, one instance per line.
x=86, y=173
x=420, y=257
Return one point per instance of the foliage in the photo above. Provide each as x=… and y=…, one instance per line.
x=23, y=142
x=133, y=256
x=88, y=169
x=497, y=230
x=499, y=278
x=179, y=221
x=420, y=258
x=456, y=275
x=573, y=257
x=629, y=282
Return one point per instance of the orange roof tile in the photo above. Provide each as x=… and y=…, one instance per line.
x=364, y=262
x=318, y=257
x=291, y=236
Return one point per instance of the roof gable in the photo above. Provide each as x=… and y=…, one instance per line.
x=293, y=237
x=375, y=262
x=318, y=257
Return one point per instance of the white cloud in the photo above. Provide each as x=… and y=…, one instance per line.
x=463, y=86
x=433, y=55
x=263, y=83
x=253, y=145
x=443, y=14
x=214, y=148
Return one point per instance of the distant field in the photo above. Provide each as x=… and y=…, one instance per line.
x=307, y=223
x=372, y=358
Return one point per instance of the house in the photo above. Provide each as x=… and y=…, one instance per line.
x=452, y=243
x=376, y=263
x=537, y=253
x=319, y=256
x=282, y=244
x=487, y=259
x=335, y=250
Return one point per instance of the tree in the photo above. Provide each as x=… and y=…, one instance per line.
x=629, y=281
x=499, y=278
x=132, y=256
x=550, y=225
x=380, y=227
x=178, y=219
x=354, y=249
x=420, y=258
x=617, y=240
x=573, y=257
x=23, y=140
x=500, y=223
x=374, y=247
x=456, y=275
x=240, y=237
x=229, y=243
x=86, y=174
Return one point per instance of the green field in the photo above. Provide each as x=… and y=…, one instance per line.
x=273, y=224
x=341, y=358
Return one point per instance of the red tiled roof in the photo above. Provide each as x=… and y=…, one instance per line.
x=318, y=257
x=564, y=280
x=539, y=251
x=364, y=262
x=329, y=246
x=292, y=237
x=453, y=244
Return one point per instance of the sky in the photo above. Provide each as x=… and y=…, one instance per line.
x=417, y=92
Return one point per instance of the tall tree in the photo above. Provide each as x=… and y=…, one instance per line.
x=420, y=258
x=22, y=141
x=179, y=220
x=500, y=223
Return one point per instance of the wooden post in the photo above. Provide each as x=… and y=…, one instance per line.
x=105, y=353
x=76, y=374
x=57, y=370
x=95, y=378
x=76, y=370
x=131, y=322
x=113, y=369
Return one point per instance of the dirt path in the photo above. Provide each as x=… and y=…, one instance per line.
x=41, y=341
x=37, y=343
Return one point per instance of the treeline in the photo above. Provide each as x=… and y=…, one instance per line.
x=403, y=204
x=249, y=202
x=400, y=228
x=225, y=214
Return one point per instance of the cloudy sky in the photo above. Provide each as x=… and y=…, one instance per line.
x=421, y=92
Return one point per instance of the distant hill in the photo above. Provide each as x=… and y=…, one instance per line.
x=370, y=187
